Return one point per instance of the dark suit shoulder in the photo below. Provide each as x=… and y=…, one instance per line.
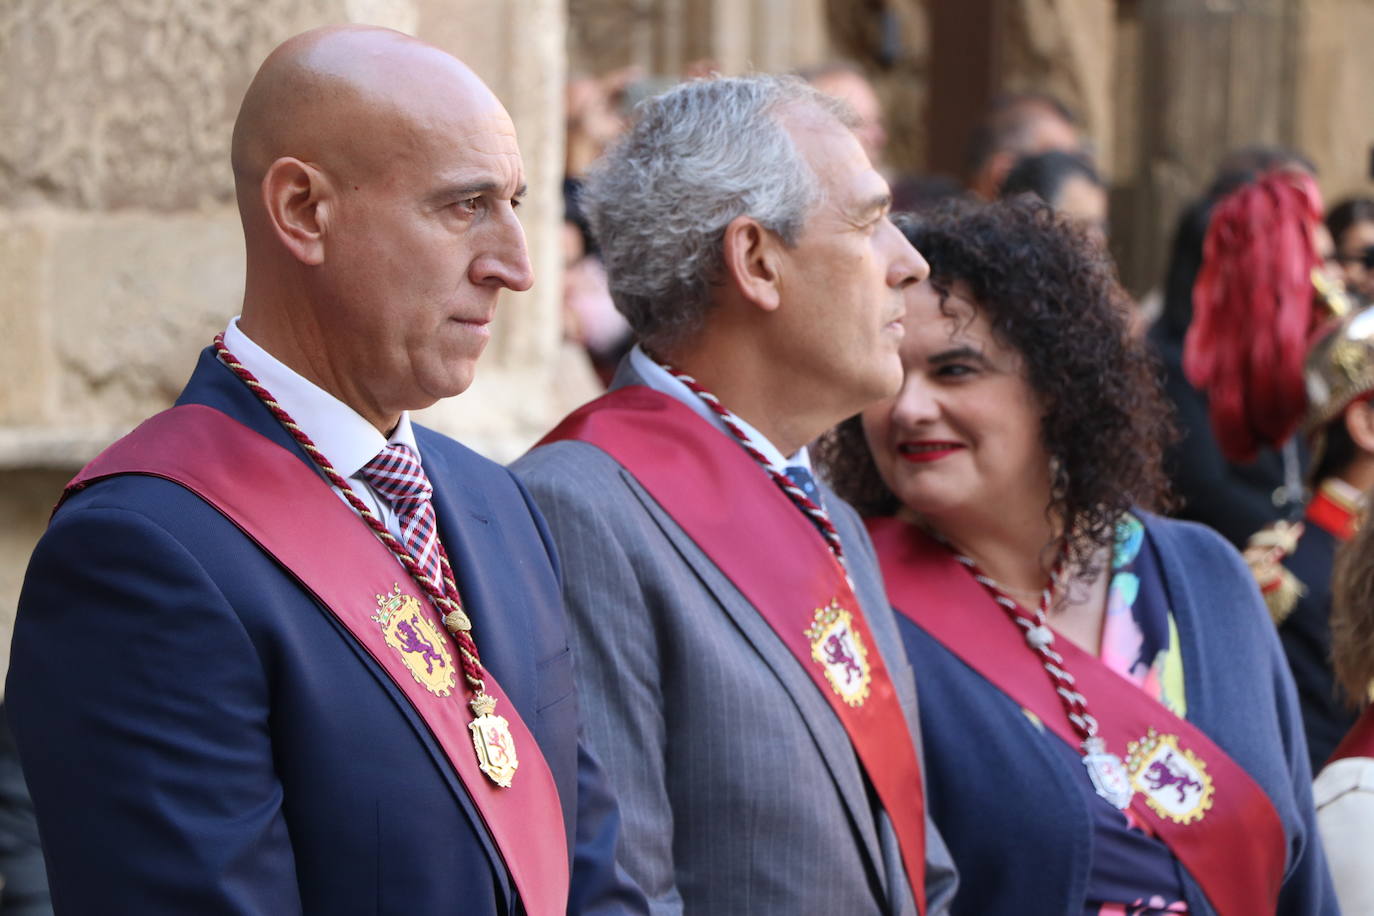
x=1207, y=577
x=142, y=505
x=453, y=450
x=572, y=470
x=1194, y=545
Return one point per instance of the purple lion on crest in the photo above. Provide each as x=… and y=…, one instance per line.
x=837, y=653
x=1161, y=774
x=413, y=641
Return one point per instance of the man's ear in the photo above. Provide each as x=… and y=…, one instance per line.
x=1359, y=423
x=297, y=197
x=752, y=262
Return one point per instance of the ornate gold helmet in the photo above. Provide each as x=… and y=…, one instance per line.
x=1339, y=369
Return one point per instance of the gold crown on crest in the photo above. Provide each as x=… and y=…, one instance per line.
x=389, y=604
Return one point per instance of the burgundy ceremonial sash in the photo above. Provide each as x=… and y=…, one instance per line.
x=296, y=517
x=773, y=554
x=1359, y=741
x=1239, y=867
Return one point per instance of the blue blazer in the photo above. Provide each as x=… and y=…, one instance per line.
x=201, y=737
x=1015, y=817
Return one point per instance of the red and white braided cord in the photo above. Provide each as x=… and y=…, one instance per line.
x=817, y=515
x=447, y=600
x=1075, y=704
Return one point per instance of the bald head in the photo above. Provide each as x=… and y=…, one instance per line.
x=377, y=179
x=336, y=96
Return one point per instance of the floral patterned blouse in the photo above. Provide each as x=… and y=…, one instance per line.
x=1133, y=872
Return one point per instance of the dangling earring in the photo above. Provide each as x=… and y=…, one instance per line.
x=1059, y=482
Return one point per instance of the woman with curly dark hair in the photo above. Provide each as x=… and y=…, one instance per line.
x=1082, y=662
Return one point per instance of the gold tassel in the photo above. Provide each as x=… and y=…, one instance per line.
x=1264, y=554
x=1283, y=596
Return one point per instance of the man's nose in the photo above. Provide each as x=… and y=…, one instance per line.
x=507, y=259
x=907, y=267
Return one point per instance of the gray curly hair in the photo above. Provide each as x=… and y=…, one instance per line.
x=699, y=156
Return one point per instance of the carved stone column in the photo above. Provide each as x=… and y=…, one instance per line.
x=1065, y=48
x=1209, y=76
x=664, y=36
x=1334, y=117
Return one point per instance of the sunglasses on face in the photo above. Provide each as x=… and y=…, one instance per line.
x=1365, y=258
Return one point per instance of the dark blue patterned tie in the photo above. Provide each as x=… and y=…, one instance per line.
x=803, y=479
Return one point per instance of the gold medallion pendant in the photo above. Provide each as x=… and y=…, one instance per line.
x=1173, y=780
x=408, y=629
x=839, y=649
x=494, y=743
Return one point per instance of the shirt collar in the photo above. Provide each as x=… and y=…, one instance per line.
x=661, y=380
x=340, y=432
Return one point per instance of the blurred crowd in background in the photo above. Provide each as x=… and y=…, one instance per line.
x=1025, y=143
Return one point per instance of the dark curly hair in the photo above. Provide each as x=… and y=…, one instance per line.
x=1051, y=294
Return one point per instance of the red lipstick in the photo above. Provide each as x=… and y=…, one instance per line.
x=927, y=450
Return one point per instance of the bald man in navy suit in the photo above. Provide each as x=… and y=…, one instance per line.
x=206, y=726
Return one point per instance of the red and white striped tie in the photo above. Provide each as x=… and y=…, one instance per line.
x=395, y=473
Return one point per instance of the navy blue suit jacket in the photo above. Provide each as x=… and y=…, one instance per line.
x=201, y=737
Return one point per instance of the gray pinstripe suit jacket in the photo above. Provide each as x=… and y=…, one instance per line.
x=739, y=790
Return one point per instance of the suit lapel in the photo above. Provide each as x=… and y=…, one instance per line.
x=214, y=385
x=829, y=735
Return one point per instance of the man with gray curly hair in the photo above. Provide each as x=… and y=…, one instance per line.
x=742, y=677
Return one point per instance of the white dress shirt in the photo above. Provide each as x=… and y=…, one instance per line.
x=340, y=433
x=659, y=379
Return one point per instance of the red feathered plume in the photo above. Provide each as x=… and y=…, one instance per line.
x=1252, y=312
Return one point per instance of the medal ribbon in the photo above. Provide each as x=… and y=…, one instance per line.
x=932, y=589
x=288, y=513
x=753, y=534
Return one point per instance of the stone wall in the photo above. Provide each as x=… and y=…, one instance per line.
x=1334, y=105
x=1210, y=77
x=890, y=41
x=664, y=37
x=1195, y=79
x=1068, y=49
